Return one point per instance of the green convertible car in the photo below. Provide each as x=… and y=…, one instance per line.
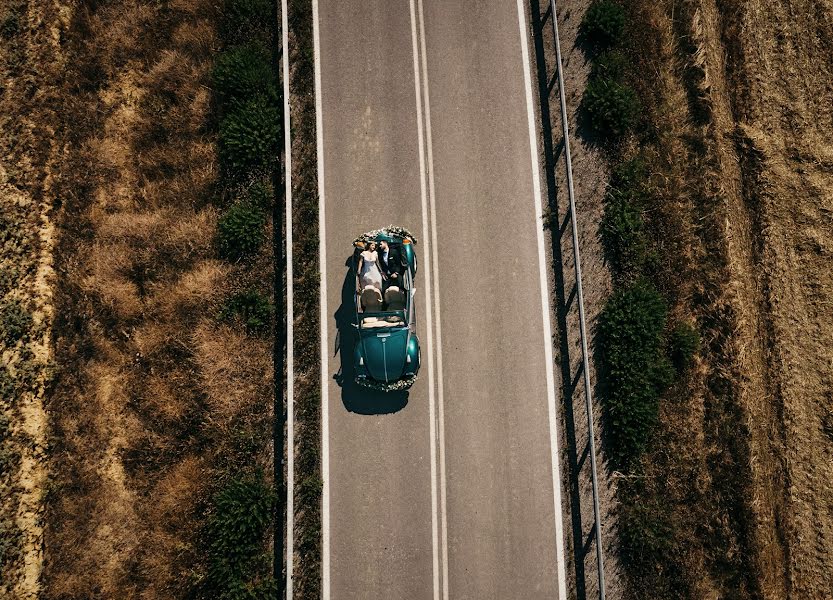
x=387, y=354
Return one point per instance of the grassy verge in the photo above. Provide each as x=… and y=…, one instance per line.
x=236, y=548
x=673, y=428
x=307, y=576
x=161, y=416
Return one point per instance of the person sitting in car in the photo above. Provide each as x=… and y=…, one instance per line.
x=369, y=268
x=392, y=264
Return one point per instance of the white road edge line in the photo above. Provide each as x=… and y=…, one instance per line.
x=325, y=368
x=545, y=305
x=439, y=335
x=426, y=269
x=290, y=313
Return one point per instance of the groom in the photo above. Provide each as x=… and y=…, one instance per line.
x=390, y=257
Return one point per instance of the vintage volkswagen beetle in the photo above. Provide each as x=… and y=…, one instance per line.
x=387, y=354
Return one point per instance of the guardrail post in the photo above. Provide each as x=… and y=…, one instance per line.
x=538, y=24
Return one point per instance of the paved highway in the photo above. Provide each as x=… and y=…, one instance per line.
x=425, y=122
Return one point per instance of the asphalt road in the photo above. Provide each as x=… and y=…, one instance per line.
x=445, y=491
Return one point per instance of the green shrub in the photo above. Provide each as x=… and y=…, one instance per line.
x=610, y=108
x=250, y=135
x=645, y=533
x=611, y=65
x=622, y=228
x=631, y=177
x=635, y=368
x=11, y=23
x=252, y=308
x=239, y=565
x=243, y=72
x=623, y=234
x=7, y=386
x=603, y=24
x=244, y=20
x=240, y=231
x=5, y=427
x=683, y=341
x=15, y=322
x=260, y=194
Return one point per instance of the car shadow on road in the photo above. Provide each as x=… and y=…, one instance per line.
x=358, y=399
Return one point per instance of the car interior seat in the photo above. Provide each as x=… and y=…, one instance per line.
x=395, y=298
x=371, y=299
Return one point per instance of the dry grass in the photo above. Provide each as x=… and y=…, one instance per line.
x=31, y=60
x=155, y=400
x=742, y=168
x=779, y=211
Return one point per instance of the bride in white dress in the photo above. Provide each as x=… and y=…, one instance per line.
x=370, y=273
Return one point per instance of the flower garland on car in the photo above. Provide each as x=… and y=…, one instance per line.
x=395, y=386
x=390, y=230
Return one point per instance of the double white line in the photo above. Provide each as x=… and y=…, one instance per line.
x=436, y=425
x=439, y=520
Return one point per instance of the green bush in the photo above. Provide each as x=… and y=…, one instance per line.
x=635, y=367
x=244, y=20
x=683, y=341
x=610, y=108
x=645, y=533
x=611, y=65
x=252, y=308
x=13, y=19
x=240, y=231
x=250, y=135
x=260, y=194
x=603, y=24
x=239, y=565
x=5, y=427
x=243, y=72
x=623, y=234
x=631, y=176
x=15, y=322
x=622, y=228
x=8, y=388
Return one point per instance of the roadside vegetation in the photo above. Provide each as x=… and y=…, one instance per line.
x=161, y=415
x=307, y=576
x=672, y=434
x=236, y=537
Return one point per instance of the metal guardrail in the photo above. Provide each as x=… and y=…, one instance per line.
x=546, y=84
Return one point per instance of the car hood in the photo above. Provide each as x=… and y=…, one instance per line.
x=384, y=353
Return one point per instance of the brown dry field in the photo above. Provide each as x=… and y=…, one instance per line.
x=155, y=399
x=106, y=136
x=742, y=93
x=108, y=122
x=770, y=70
x=30, y=56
